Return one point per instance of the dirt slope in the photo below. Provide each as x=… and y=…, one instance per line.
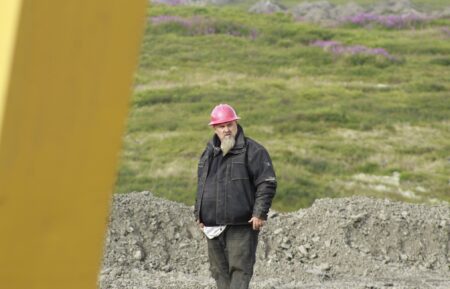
x=354, y=242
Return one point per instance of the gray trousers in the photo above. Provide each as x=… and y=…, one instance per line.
x=232, y=255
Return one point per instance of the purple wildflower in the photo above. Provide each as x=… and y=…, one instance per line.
x=363, y=19
x=388, y=21
x=446, y=31
x=253, y=34
x=379, y=51
x=325, y=43
x=338, y=48
x=355, y=49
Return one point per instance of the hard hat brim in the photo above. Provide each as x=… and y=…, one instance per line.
x=220, y=122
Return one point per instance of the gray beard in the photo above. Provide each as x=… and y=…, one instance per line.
x=227, y=144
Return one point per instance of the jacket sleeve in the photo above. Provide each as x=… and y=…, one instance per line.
x=196, y=196
x=196, y=205
x=200, y=169
x=264, y=179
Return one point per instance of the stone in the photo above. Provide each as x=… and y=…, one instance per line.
x=303, y=250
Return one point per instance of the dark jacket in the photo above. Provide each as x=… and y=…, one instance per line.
x=246, y=181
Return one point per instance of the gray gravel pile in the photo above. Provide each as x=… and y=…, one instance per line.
x=353, y=242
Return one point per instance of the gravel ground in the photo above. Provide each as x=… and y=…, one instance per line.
x=356, y=242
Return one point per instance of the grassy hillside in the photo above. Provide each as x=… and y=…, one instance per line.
x=343, y=111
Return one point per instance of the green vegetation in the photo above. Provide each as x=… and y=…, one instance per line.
x=335, y=124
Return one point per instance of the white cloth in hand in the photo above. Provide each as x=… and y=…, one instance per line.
x=212, y=232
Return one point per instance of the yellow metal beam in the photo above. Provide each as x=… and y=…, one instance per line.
x=9, y=14
x=65, y=79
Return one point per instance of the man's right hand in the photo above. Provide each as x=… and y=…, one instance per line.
x=200, y=225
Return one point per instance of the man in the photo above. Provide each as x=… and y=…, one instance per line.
x=236, y=185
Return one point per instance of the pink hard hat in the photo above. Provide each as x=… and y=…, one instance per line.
x=223, y=113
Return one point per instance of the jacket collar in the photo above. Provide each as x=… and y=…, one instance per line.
x=240, y=141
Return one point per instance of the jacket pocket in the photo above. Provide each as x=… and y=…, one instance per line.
x=239, y=171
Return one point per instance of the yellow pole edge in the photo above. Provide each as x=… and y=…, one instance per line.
x=9, y=12
x=65, y=84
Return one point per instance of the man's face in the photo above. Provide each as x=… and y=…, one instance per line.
x=226, y=129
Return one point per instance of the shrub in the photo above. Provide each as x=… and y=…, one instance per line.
x=198, y=25
x=388, y=21
x=357, y=54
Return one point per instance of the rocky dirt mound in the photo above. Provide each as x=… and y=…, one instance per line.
x=324, y=12
x=354, y=242
x=265, y=7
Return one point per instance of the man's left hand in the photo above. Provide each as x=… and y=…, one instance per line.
x=257, y=223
